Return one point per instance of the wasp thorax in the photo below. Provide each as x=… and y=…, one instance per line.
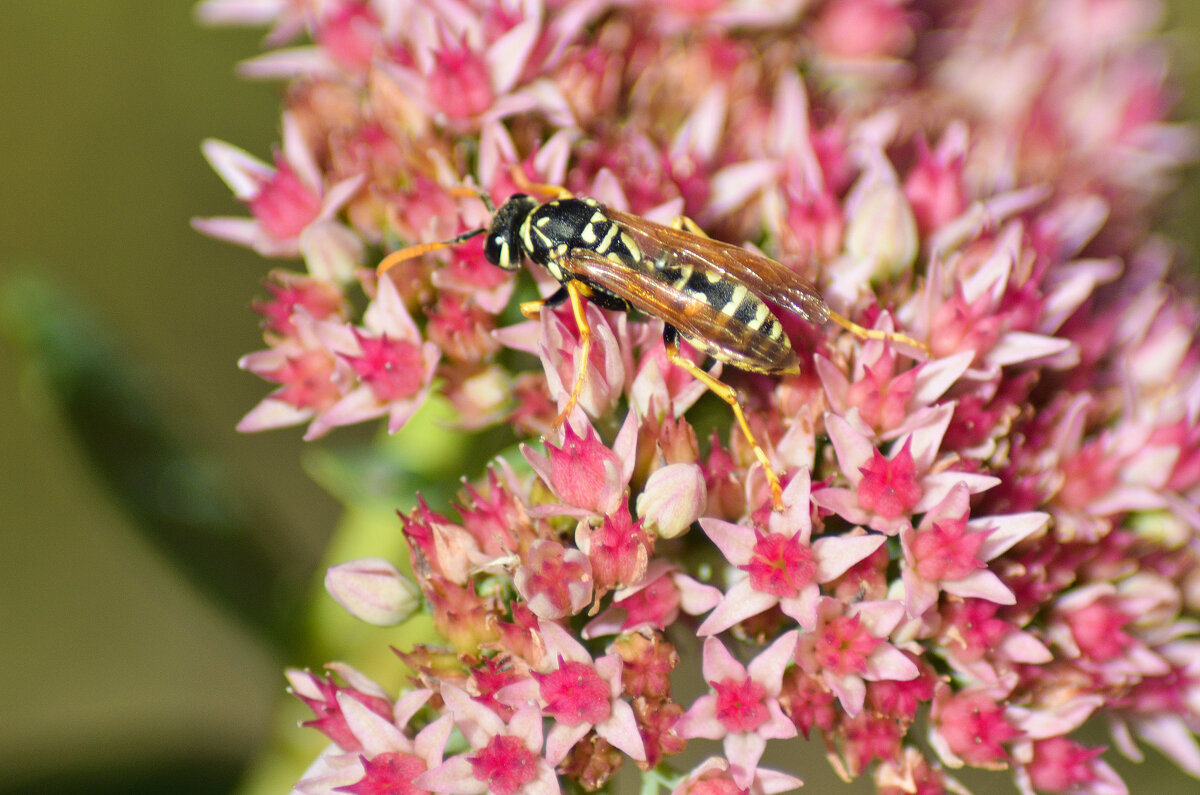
x=503, y=247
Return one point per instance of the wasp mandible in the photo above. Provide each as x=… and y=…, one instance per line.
x=711, y=294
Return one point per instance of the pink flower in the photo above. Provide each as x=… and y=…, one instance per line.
x=587, y=477
x=908, y=482
x=505, y=758
x=369, y=732
x=970, y=728
x=848, y=647
x=555, y=581
x=580, y=695
x=782, y=566
x=293, y=211
x=743, y=707
x=654, y=602
x=950, y=553
x=393, y=366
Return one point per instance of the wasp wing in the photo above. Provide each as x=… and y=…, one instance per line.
x=770, y=280
x=721, y=335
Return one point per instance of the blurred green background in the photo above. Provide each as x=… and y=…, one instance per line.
x=118, y=673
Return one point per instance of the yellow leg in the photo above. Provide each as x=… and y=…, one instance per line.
x=532, y=310
x=685, y=224
x=729, y=395
x=575, y=293
x=874, y=334
x=526, y=185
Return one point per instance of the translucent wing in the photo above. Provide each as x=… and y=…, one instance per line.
x=722, y=335
x=765, y=277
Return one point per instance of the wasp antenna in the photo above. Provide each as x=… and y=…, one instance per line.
x=396, y=257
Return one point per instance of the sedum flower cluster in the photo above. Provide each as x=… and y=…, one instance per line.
x=980, y=548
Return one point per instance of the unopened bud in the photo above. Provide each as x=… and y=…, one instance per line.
x=372, y=590
x=882, y=230
x=674, y=497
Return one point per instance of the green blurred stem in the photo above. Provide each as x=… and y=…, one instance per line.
x=181, y=500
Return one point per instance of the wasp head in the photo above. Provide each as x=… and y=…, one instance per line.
x=503, y=246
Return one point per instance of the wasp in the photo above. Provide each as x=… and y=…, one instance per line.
x=715, y=296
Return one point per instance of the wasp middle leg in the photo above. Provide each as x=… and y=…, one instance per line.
x=729, y=395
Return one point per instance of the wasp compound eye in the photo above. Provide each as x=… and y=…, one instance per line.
x=503, y=247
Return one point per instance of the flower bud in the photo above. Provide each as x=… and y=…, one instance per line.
x=674, y=497
x=372, y=590
x=882, y=230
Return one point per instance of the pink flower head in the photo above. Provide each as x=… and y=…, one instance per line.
x=885, y=492
x=744, y=705
x=971, y=728
x=714, y=776
x=580, y=695
x=292, y=210
x=997, y=521
x=618, y=549
x=554, y=580
x=782, y=566
x=849, y=647
x=949, y=553
x=504, y=758
x=393, y=366
x=586, y=476
x=654, y=602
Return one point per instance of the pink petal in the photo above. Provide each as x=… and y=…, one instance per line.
x=834, y=555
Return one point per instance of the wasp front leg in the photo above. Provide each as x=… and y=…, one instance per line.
x=729, y=395
x=526, y=185
x=685, y=224
x=573, y=291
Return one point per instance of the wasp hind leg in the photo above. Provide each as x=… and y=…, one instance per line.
x=864, y=333
x=729, y=395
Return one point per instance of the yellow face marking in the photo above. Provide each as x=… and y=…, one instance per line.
x=588, y=235
x=735, y=300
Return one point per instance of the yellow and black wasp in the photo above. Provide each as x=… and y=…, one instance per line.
x=714, y=295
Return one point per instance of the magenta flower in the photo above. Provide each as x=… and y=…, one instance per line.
x=370, y=743
x=293, y=211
